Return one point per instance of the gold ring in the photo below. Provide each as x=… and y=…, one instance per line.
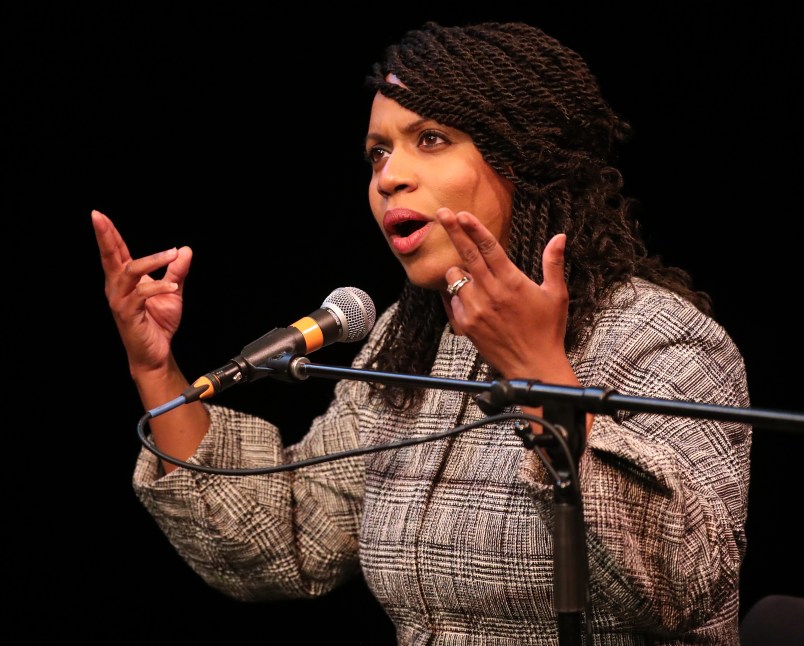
x=456, y=286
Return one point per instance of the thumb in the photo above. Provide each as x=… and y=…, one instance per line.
x=553, y=261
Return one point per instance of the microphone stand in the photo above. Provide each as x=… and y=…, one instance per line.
x=565, y=407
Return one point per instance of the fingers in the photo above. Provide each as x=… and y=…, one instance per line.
x=113, y=250
x=143, y=266
x=178, y=269
x=479, y=250
x=125, y=274
x=475, y=244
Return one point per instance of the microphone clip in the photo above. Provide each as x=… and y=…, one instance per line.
x=285, y=367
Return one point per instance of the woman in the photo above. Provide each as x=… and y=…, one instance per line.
x=491, y=151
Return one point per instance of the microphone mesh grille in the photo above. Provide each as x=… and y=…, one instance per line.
x=357, y=307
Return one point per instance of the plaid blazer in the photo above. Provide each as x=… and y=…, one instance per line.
x=455, y=536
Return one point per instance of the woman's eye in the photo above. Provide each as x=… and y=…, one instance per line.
x=430, y=139
x=375, y=154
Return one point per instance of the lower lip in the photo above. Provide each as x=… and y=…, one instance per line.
x=410, y=243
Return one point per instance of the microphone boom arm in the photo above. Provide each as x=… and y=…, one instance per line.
x=528, y=392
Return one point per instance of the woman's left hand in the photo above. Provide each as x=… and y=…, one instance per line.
x=517, y=325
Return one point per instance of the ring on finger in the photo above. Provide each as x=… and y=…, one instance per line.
x=455, y=287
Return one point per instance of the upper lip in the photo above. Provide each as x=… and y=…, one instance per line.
x=393, y=218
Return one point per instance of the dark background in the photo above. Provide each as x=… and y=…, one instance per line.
x=238, y=131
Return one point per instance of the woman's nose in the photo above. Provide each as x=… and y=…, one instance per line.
x=397, y=174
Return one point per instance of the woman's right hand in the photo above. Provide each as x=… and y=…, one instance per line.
x=147, y=311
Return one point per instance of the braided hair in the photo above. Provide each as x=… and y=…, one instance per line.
x=535, y=112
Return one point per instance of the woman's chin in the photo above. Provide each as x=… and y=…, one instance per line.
x=426, y=273
x=426, y=281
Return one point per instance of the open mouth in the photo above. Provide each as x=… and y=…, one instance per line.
x=403, y=223
x=406, y=228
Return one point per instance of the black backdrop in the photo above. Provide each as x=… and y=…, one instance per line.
x=238, y=131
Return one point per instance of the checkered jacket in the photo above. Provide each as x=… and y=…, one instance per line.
x=455, y=536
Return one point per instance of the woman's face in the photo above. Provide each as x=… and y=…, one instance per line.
x=419, y=166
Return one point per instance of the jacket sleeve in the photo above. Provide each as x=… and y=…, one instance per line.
x=664, y=496
x=288, y=534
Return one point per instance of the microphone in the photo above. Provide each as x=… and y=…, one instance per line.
x=347, y=315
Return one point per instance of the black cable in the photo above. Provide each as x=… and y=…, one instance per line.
x=554, y=431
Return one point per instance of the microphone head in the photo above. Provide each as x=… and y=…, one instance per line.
x=355, y=310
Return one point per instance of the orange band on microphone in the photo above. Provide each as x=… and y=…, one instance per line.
x=205, y=381
x=312, y=332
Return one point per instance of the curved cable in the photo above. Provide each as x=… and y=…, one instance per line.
x=552, y=429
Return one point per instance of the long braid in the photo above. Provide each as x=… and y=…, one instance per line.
x=410, y=342
x=535, y=112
